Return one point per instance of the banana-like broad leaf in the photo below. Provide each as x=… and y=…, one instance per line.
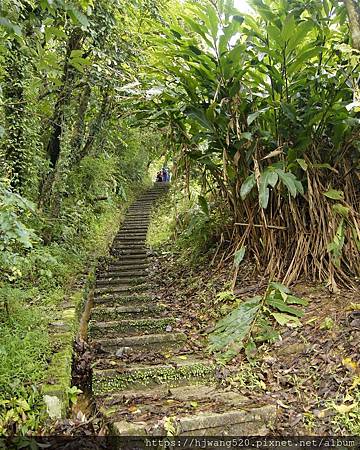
x=269, y=177
x=286, y=319
x=234, y=328
x=247, y=186
x=203, y=205
x=239, y=255
x=279, y=304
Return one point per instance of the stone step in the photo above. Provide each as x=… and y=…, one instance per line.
x=139, y=221
x=130, y=234
x=140, y=376
x=139, y=229
x=130, y=259
x=128, y=266
x=129, y=326
x=136, y=223
x=126, y=312
x=137, y=218
x=141, y=207
x=143, y=342
x=201, y=410
x=129, y=240
x=129, y=247
x=120, y=281
x=121, y=273
x=130, y=252
x=122, y=299
x=121, y=289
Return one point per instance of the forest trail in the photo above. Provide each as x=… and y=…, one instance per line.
x=142, y=381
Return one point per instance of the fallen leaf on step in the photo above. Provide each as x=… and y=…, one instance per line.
x=343, y=409
x=280, y=403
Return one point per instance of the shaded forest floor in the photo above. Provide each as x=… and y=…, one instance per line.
x=312, y=373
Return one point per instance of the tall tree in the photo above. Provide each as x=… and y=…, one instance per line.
x=353, y=10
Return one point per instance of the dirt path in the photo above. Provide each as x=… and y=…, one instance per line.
x=145, y=381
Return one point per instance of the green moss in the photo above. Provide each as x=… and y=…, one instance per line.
x=131, y=325
x=124, y=299
x=106, y=290
x=117, y=314
x=153, y=375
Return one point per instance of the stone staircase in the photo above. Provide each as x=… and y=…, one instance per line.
x=144, y=379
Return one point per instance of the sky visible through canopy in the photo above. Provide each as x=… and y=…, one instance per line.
x=242, y=5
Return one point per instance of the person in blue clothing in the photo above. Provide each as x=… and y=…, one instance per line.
x=166, y=174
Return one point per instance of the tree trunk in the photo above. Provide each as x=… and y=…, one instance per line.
x=95, y=127
x=54, y=144
x=353, y=11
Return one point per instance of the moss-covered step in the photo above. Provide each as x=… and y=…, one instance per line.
x=128, y=245
x=115, y=327
x=161, y=342
x=130, y=235
x=124, y=260
x=141, y=267
x=122, y=273
x=142, y=376
x=130, y=260
x=136, y=220
x=137, y=215
x=138, y=229
x=119, y=299
x=127, y=312
x=128, y=238
x=121, y=289
x=129, y=252
x=140, y=210
x=120, y=281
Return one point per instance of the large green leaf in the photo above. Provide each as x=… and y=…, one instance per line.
x=268, y=177
x=203, y=205
x=289, y=180
x=278, y=303
x=247, y=186
x=334, y=194
x=77, y=16
x=234, y=328
x=239, y=255
x=286, y=319
x=10, y=26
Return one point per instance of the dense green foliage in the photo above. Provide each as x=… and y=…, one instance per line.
x=260, y=114
x=69, y=162
x=262, y=110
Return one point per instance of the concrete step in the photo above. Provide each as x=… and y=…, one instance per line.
x=121, y=289
x=120, y=281
x=141, y=229
x=129, y=259
x=121, y=273
x=130, y=234
x=242, y=420
x=128, y=265
x=121, y=298
x=141, y=207
x=111, y=328
x=129, y=240
x=137, y=221
x=139, y=376
x=143, y=342
x=129, y=247
x=127, y=312
x=128, y=252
